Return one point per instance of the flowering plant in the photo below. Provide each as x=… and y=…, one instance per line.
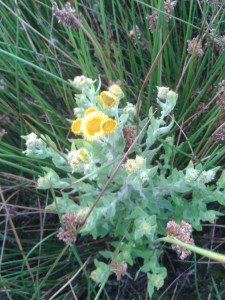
x=123, y=181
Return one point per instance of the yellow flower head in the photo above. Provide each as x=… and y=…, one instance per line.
x=76, y=126
x=109, y=126
x=116, y=90
x=91, y=125
x=83, y=155
x=108, y=98
x=89, y=110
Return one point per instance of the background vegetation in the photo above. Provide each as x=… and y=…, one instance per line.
x=37, y=57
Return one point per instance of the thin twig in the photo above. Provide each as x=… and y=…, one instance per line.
x=71, y=279
x=184, y=134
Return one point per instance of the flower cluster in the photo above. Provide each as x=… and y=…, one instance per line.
x=71, y=222
x=67, y=16
x=68, y=234
x=82, y=83
x=132, y=34
x=133, y=165
x=153, y=19
x=195, y=46
x=219, y=43
x=219, y=135
x=138, y=173
x=169, y=5
x=93, y=110
x=182, y=233
x=197, y=174
x=94, y=125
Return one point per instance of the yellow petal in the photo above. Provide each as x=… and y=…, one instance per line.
x=89, y=110
x=76, y=126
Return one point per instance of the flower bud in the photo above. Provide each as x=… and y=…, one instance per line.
x=77, y=158
x=78, y=112
x=31, y=140
x=144, y=227
x=162, y=92
x=191, y=175
x=43, y=183
x=97, y=275
x=129, y=109
x=82, y=83
x=82, y=213
x=117, y=91
x=157, y=280
x=207, y=176
x=35, y=146
x=51, y=179
x=171, y=95
x=132, y=165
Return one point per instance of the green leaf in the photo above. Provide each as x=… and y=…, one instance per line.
x=64, y=204
x=101, y=272
x=145, y=226
x=156, y=281
x=221, y=181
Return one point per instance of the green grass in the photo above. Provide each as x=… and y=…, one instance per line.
x=37, y=57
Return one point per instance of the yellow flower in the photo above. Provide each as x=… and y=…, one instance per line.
x=109, y=126
x=108, y=98
x=91, y=125
x=116, y=90
x=76, y=126
x=89, y=110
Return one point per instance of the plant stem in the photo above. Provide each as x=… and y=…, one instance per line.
x=201, y=251
x=102, y=287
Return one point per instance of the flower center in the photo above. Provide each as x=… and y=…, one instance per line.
x=94, y=126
